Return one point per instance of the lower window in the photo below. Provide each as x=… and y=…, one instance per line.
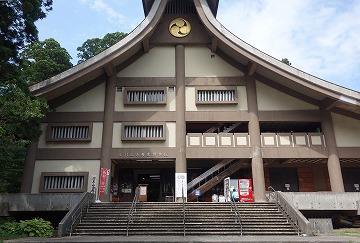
x=64, y=182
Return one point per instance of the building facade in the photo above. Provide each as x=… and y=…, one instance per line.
x=180, y=99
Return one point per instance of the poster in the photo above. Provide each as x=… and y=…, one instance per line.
x=104, y=181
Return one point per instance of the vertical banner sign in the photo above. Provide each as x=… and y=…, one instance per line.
x=227, y=192
x=180, y=185
x=104, y=181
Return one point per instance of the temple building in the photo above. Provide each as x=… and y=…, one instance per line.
x=180, y=104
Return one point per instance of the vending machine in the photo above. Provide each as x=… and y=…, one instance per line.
x=241, y=186
x=245, y=190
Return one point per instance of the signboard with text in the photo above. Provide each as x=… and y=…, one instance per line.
x=104, y=181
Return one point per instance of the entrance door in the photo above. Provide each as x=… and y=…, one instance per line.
x=284, y=179
x=153, y=189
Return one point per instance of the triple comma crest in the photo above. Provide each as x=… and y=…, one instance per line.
x=179, y=27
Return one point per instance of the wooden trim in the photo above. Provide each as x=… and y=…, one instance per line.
x=68, y=154
x=77, y=117
x=148, y=116
x=145, y=82
x=215, y=81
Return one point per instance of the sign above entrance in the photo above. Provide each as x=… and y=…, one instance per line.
x=144, y=155
x=179, y=27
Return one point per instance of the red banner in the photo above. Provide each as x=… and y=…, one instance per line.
x=104, y=181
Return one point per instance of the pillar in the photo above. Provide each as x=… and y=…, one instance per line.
x=29, y=167
x=180, y=163
x=334, y=167
x=257, y=165
x=107, y=136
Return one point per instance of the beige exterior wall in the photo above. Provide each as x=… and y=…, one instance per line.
x=347, y=131
x=170, y=103
x=169, y=142
x=201, y=62
x=190, y=94
x=91, y=166
x=158, y=62
x=93, y=100
x=270, y=99
x=95, y=141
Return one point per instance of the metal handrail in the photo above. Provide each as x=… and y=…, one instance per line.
x=130, y=218
x=67, y=223
x=184, y=209
x=237, y=213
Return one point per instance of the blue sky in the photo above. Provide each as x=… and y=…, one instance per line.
x=319, y=37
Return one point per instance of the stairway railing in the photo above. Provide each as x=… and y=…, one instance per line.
x=237, y=213
x=294, y=215
x=67, y=223
x=184, y=209
x=207, y=173
x=130, y=218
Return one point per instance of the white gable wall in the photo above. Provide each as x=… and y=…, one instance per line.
x=347, y=131
x=158, y=62
x=201, y=62
x=93, y=100
x=270, y=99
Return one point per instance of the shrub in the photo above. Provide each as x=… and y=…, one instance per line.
x=36, y=227
x=33, y=228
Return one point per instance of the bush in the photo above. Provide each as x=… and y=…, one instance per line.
x=33, y=228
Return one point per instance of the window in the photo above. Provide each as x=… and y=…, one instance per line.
x=141, y=96
x=69, y=132
x=143, y=132
x=221, y=95
x=63, y=181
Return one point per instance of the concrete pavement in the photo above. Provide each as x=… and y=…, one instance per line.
x=195, y=239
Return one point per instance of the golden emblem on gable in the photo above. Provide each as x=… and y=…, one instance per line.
x=179, y=27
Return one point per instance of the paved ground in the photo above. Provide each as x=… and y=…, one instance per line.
x=195, y=239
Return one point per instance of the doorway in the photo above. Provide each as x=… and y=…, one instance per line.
x=153, y=188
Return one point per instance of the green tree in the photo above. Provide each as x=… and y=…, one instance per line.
x=94, y=46
x=43, y=60
x=20, y=113
x=286, y=61
x=17, y=27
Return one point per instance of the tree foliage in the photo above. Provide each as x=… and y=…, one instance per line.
x=94, y=46
x=20, y=113
x=286, y=61
x=17, y=27
x=43, y=59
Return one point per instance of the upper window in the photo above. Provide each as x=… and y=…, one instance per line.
x=144, y=95
x=143, y=132
x=217, y=95
x=69, y=132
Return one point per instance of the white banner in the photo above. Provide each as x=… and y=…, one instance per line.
x=180, y=185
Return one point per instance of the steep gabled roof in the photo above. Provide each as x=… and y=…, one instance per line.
x=247, y=58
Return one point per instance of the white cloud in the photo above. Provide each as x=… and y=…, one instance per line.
x=110, y=13
x=319, y=37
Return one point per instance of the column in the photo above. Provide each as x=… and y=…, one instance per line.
x=334, y=167
x=257, y=165
x=180, y=163
x=29, y=167
x=107, y=136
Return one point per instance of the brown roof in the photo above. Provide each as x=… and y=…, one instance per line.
x=249, y=59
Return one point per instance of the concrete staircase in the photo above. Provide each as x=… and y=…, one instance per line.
x=200, y=219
